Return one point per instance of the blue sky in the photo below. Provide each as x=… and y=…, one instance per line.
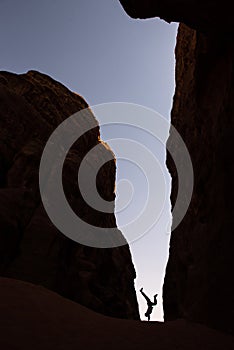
x=95, y=49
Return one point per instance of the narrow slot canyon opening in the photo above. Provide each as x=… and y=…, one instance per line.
x=147, y=79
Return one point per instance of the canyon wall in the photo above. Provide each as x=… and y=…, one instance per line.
x=199, y=276
x=31, y=248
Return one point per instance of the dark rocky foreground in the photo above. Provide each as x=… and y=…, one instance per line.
x=31, y=248
x=199, y=277
x=32, y=317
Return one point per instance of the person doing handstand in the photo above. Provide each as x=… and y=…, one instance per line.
x=149, y=303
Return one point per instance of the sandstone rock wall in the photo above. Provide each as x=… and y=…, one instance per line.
x=31, y=248
x=199, y=276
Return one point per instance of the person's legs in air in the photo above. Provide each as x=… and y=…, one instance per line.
x=155, y=299
x=145, y=296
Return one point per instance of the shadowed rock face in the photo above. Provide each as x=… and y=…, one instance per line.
x=204, y=15
x=199, y=276
x=31, y=248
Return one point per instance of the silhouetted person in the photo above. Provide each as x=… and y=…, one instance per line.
x=149, y=303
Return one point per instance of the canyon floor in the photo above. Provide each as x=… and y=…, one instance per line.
x=32, y=317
